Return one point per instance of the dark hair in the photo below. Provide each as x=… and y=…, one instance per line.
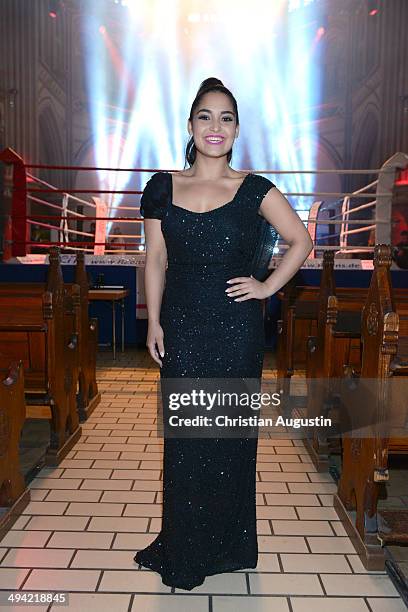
x=210, y=84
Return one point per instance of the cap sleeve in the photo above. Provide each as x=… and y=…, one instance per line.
x=264, y=185
x=154, y=200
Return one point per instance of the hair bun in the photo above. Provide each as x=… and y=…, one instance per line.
x=210, y=82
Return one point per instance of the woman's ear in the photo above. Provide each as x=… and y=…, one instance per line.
x=189, y=127
x=237, y=131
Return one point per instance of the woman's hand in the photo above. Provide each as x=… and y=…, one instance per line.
x=154, y=342
x=247, y=287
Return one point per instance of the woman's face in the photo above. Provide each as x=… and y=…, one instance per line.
x=214, y=125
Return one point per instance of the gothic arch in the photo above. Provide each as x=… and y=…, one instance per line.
x=50, y=145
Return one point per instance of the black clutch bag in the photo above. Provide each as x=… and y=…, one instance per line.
x=267, y=237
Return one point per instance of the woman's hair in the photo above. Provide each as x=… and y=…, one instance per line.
x=210, y=84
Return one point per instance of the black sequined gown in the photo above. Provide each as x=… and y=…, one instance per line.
x=209, y=508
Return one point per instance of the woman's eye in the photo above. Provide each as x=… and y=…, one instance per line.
x=228, y=118
x=203, y=116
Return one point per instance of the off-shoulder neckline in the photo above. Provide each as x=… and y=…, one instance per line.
x=206, y=212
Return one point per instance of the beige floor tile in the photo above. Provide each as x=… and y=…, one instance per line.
x=134, y=456
x=32, y=557
x=274, y=487
x=106, y=484
x=118, y=524
x=132, y=541
x=88, y=447
x=55, y=483
x=132, y=582
x=324, y=604
x=104, y=559
x=267, y=562
x=317, y=513
x=170, y=603
x=315, y=564
x=268, y=467
x=297, y=467
x=233, y=584
x=285, y=584
x=301, y=528
x=276, y=512
x=74, y=495
x=136, y=474
x=48, y=507
x=119, y=464
x=149, y=510
x=76, y=463
x=382, y=604
x=38, y=494
x=129, y=497
x=281, y=457
x=25, y=539
x=359, y=585
x=107, y=440
x=249, y=604
x=312, y=487
x=332, y=545
x=95, y=602
x=147, y=485
x=83, y=473
x=279, y=544
x=267, y=477
x=129, y=449
x=97, y=454
x=291, y=499
x=62, y=580
x=263, y=527
x=12, y=578
x=155, y=525
x=81, y=539
x=58, y=523
x=94, y=509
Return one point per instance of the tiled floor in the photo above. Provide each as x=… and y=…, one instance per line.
x=88, y=517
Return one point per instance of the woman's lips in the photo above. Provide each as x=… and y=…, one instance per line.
x=214, y=140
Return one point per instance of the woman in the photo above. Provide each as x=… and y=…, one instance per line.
x=205, y=320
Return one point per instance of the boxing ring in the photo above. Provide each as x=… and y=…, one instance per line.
x=68, y=214
x=37, y=215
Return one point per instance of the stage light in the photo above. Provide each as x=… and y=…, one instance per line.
x=373, y=8
x=276, y=79
x=53, y=6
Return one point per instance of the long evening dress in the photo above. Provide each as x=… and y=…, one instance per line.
x=209, y=503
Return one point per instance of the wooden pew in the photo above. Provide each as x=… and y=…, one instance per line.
x=88, y=396
x=336, y=344
x=82, y=329
x=14, y=495
x=40, y=328
x=365, y=459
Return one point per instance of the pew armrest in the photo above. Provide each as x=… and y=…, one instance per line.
x=17, y=327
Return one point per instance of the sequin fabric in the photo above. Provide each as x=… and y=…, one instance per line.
x=209, y=508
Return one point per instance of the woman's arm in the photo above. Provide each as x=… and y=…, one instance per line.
x=277, y=210
x=154, y=275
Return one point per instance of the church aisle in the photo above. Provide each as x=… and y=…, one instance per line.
x=88, y=517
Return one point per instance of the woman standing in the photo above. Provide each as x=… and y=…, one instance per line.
x=205, y=321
